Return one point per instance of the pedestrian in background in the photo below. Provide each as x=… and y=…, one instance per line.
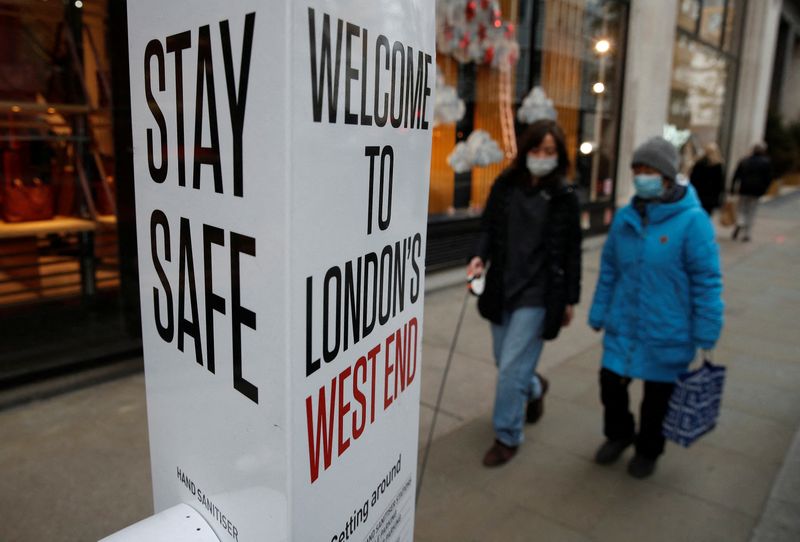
x=658, y=298
x=531, y=242
x=708, y=178
x=751, y=180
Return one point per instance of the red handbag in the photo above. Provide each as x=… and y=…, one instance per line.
x=23, y=202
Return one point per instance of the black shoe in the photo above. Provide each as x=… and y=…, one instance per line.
x=536, y=406
x=499, y=454
x=611, y=450
x=641, y=467
x=746, y=238
x=735, y=233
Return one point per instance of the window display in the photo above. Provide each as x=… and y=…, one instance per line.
x=702, y=68
x=478, y=53
x=59, y=253
x=56, y=148
x=495, y=55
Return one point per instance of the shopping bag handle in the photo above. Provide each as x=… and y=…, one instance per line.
x=706, y=356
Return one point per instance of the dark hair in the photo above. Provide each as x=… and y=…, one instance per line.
x=532, y=137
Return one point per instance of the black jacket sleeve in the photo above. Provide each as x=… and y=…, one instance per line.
x=483, y=245
x=737, y=178
x=572, y=268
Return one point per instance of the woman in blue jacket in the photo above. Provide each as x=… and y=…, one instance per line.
x=658, y=298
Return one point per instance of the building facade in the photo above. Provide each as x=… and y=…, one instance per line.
x=709, y=70
x=713, y=86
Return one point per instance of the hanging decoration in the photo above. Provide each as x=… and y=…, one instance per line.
x=478, y=150
x=536, y=106
x=507, y=114
x=474, y=31
x=449, y=108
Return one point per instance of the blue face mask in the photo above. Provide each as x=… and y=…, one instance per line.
x=648, y=186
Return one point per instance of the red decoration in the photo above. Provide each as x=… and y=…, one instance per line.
x=471, y=7
x=477, y=34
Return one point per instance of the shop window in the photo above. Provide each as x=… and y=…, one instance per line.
x=58, y=227
x=698, y=92
x=712, y=21
x=57, y=156
x=700, y=100
x=572, y=49
x=442, y=186
x=477, y=61
x=581, y=71
x=688, y=14
x=730, y=26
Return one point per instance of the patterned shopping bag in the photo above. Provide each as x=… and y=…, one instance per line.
x=694, y=405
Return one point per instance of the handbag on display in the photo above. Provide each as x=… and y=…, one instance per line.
x=694, y=404
x=727, y=215
x=26, y=201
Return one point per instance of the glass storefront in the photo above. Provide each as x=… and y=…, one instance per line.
x=574, y=51
x=59, y=257
x=67, y=238
x=703, y=75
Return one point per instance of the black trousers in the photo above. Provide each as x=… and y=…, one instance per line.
x=617, y=418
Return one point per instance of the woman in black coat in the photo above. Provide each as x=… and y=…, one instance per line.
x=708, y=178
x=530, y=242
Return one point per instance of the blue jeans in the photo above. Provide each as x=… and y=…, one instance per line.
x=517, y=347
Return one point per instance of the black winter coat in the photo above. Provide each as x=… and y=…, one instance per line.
x=709, y=182
x=562, y=238
x=753, y=176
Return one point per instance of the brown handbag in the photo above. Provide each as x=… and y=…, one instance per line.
x=26, y=201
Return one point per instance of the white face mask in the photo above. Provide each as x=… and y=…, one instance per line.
x=539, y=167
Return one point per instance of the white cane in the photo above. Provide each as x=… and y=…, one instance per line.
x=476, y=289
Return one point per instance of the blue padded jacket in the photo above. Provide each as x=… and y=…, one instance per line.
x=659, y=293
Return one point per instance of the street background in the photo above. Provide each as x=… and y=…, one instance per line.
x=75, y=456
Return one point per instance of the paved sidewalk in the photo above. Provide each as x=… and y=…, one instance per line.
x=717, y=490
x=65, y=459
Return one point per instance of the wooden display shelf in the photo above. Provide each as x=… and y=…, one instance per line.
x=21, y=263
x=106, y=220
x=59, y=224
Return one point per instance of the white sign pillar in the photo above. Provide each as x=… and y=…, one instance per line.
x=281, y=162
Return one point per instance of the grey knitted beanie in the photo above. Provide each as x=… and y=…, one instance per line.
x=659, y=154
